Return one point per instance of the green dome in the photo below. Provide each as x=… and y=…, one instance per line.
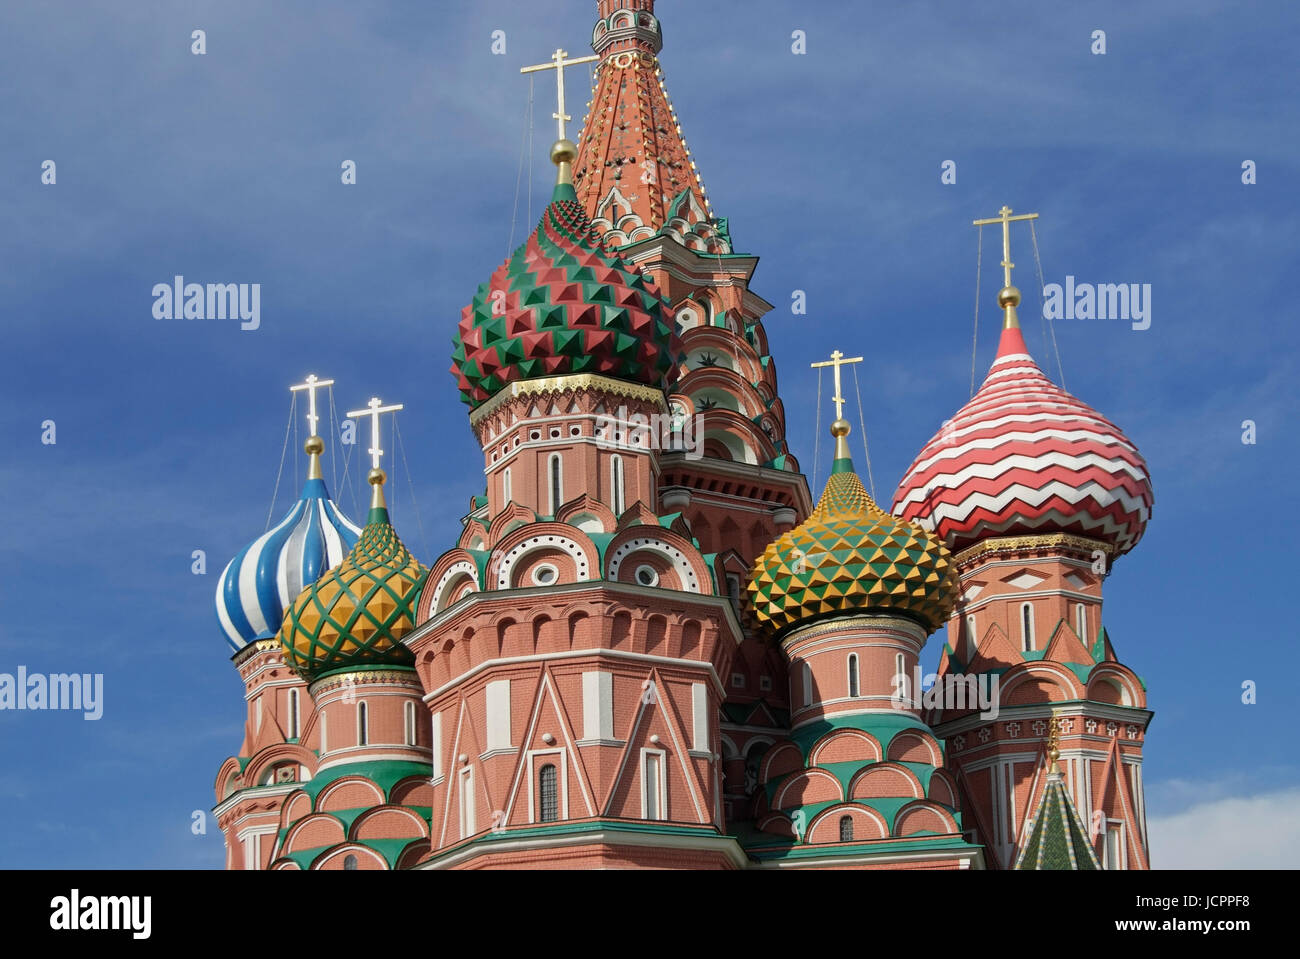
x=358, y=612
x=563, y=304
x=852, y=556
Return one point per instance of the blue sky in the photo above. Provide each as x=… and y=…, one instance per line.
x=225, y=168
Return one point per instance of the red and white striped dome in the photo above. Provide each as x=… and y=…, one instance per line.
x=1024, y=456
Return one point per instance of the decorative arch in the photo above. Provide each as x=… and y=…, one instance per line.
x=868, y=823
x=885, y=780
x=923, y=816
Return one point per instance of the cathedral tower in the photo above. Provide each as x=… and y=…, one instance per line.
x=1037, y=494
x=734, y=479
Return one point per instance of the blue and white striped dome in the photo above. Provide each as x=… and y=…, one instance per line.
x=266, y=576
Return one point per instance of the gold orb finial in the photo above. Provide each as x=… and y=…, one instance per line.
x=840, y=428
x=1008, y=296
x=564, y=151
x=314, y=446
x=376, y=477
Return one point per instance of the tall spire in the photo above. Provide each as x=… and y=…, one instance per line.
x=634, y=174
x=1008, y=296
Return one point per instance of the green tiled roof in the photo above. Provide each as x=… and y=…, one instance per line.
x=1057, y=838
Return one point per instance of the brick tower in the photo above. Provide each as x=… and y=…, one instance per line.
x=1037, y=494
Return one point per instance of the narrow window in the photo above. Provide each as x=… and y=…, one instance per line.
x=903, y=688
x=1114, y=846
x=556, y=471
x=467, y=817
x=506, y=490
x=1081, y=621
x=408, y=711
x=323, y=725
x=1027, y=627
x=846, y=829
x=616, y=483
x=349, y=862
x=363, y=725
x=971, y=638
x=548, y=790
x=853, y=675
x=293, y=714
x=653, y=787
x=807, y=684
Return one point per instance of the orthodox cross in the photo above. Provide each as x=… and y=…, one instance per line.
x=1006, y=219
x=837, y=360
x=311, y=386
x=373, y=409
x=558, y=63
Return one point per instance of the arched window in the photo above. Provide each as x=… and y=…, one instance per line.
x=853, y=675
x=293, y=714
x=507, y=490
x=971, y=638
x=408, y=715
x=349, y=861
x=846, y=829
x=1081, y=621
x=555, y=472
x=549, y=793
x=363, y=725
x=1027, y=627
x=807, y=685
x=616, y=484
x=902, y=687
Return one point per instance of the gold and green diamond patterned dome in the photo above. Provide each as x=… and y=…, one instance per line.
x=851, y=556
x=358, y=612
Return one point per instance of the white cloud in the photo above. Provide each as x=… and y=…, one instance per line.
x=1236, y=832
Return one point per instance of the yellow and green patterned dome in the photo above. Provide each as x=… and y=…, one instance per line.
x=358, y=612
x=852, y=556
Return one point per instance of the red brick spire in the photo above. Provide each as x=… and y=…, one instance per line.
x=634, y=172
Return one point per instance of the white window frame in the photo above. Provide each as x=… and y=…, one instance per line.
x=854, y=677
x=537, y=758
x=617, y=493
x=1115, y=827
x=363, y=723
x=661, y=792
x=506, y=489
x=408, y=723
x=555, y=481
x=468, y=814
x=1081, y=621
x=1027, y=643
x=294, y=716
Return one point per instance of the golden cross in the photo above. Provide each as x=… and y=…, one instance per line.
x=311, y=386
x=1005, y=218
x=373, y=409
x=837, y=360
x=558, y=63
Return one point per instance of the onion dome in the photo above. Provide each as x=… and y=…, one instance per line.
x=563, y=304
x=263, y=579
x=356, y=614
x=1024, y=456
x=851, y=556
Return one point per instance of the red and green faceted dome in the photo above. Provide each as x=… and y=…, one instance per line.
x=358, y=612
x=563, y=304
